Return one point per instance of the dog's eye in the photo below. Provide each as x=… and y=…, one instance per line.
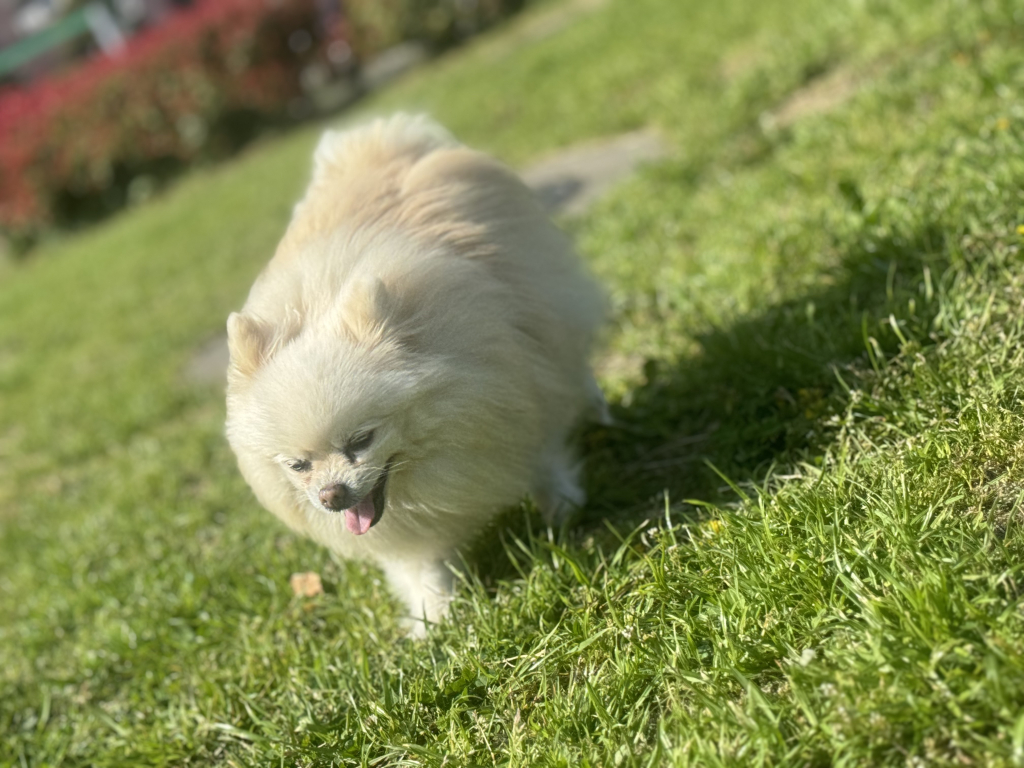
x=359, y=443
x=300, y=465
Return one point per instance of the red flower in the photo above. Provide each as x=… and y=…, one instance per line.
x=179, y=92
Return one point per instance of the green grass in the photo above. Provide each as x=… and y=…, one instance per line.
x=804, y=545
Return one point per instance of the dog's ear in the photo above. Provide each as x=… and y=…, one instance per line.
x=252, y=341
x=367, y=309
x=249, y=341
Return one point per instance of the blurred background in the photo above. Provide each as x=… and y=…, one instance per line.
x=101, y=101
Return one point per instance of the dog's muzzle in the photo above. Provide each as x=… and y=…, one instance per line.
x=361, y=516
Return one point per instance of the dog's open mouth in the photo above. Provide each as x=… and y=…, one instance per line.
x=367, y=513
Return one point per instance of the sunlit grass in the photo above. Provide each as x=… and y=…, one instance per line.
x=804, y=539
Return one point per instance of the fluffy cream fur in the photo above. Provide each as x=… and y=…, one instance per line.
x=419, y=341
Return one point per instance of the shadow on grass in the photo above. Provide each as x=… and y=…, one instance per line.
x=754, y=402
x=758, y=395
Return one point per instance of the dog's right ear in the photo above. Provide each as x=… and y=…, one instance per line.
x=249, y=342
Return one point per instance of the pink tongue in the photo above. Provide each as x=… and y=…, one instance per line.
x=359, y=518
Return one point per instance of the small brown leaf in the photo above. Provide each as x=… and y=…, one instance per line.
x=306, y=584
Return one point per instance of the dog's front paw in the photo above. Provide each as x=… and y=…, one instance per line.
x=415, y=629
x=426, y=589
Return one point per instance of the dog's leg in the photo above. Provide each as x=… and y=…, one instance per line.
x=425, y=586
x=558, y=492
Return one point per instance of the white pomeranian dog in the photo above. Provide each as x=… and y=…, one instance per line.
x=414, y=358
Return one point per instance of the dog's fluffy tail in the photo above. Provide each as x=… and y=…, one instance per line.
x=412, y=136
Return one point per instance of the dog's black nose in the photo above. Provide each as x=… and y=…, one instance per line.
x=336, y=496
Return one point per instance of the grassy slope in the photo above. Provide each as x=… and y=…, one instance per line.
x=828, y=313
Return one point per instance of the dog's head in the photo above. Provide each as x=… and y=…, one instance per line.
x=326, y=403
x=401, y=398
